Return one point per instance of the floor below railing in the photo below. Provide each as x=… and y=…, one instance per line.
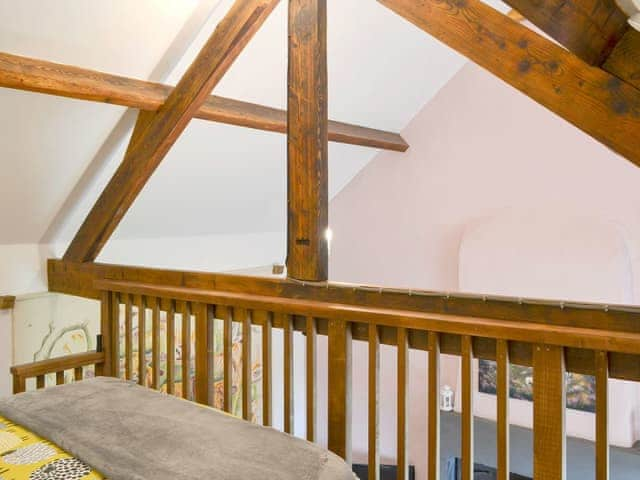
x=625, y=463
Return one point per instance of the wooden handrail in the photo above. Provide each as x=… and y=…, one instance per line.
x=53, y=365
x=577, y=337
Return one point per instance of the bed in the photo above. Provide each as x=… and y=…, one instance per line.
x=108, y=428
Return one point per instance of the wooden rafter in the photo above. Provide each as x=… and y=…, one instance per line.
x=624, y=61
x=307, y=142
x=590, y=98
x=29, y=74
x=588, y=28
x=156, y=132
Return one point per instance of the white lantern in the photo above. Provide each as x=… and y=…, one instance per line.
x=446, y=399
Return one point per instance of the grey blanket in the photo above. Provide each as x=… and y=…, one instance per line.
x=127, y=432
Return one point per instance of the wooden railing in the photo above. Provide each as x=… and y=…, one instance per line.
x=57, y=366
x=195, y=317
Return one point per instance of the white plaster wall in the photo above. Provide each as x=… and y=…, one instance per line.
x=477, y=149
x=545, y=254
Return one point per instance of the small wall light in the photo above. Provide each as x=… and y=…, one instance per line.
x=328, y=235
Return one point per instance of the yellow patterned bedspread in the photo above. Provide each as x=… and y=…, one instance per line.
x=25, y=456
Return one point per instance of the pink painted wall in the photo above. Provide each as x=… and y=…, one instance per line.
x=479, y=149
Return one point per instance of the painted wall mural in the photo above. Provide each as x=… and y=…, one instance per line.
x=218, y=353
x=581, y=389
x=51, y=325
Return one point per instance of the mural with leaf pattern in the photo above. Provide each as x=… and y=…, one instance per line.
x=218, y=386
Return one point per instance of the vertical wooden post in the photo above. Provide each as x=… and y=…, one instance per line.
x=312, y=406
x=267, y=368
x=307, y=141
x=467, y=408
x=287, y=336
x=374, y=402
x=142, y=340
x=247, y=372
x=502, y=391
x=403, y=404
x=228, y=359
x=340, y=388
x=434, y=406
x=602, y=415
x=549, y=440
x=106, y=319
x=186, y=350
x=19, y=384
x=115, y=335
x=155, y=342
x=204, y=354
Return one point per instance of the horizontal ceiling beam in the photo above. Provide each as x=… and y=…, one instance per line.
x=23, y=73
x=598, y=103
x=588, y=28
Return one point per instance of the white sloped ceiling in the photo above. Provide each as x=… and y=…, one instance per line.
x=217, y=178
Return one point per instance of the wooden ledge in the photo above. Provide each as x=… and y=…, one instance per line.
x=53, y=365
x=7, y=302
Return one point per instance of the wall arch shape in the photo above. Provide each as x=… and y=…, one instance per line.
x=553, y=255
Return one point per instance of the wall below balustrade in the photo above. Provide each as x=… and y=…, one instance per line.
x=478, y=149
x=6, y=346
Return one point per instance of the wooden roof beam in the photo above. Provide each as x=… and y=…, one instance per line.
x=307, y=142
x=156, y=132
x=588, y=28
x=624, y=61
x=23, y=73
x=590, y=98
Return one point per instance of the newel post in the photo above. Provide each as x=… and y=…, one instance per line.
x=340, y=388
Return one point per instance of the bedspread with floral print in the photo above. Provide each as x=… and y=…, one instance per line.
x=25, y=456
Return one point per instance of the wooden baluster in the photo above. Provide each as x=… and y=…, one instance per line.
x=267, y=368
x=467, y=408
x=186, y=349
x=171, y=348
x=19, y=384
x=502, y=392
x=602, y=415
x=288, y=374
x=374, y=402
x=228, y=359
x=142, y=341
x=128, y=337
x=60, y=378
x=434, y=406
x=115, y=335
x=403, y=381
x=204, y=354
x=549, y=440
x=339, y=393
x=155, y=342
x=78, y=374
x=312, y=333
x=247, y=372
x=40, y=382
x=107, y=317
